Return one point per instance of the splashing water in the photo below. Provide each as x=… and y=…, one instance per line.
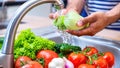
x=66, y=37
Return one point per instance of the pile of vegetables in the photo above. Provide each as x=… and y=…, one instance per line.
x=31, y=51
x=69, y=21
x=29, y=47
x=28, y=44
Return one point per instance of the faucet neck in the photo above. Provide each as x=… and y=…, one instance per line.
x=14, y=22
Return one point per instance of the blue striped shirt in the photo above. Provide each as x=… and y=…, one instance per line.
x=103, y=5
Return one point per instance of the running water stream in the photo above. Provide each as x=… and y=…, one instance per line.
x=66, y=37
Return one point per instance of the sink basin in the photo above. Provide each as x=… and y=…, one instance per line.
x=83, y=41
x=98, y=42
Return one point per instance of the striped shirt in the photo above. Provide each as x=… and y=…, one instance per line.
x=103, y=5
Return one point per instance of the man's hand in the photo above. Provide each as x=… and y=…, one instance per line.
x=97, y=21
x=76, y=5
x=56, y=14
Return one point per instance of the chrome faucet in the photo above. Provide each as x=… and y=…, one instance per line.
x=6, y=54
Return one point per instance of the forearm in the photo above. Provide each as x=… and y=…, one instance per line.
x=76, y=5
x=114, y=14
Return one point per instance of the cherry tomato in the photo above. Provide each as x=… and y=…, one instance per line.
x=100, y=63
x=86, y=66
x=77, y=58
x=21, y=61
x=89, y=50
x=47, y=55
x=109, y=57
x=32, y=64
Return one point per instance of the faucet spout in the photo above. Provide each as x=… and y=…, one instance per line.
x=60, y=4
x=6, y=54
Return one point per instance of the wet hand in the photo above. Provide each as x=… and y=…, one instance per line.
x=56, y=14
x=97, y=21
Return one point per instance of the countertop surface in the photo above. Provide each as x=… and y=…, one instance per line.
x=35, y=22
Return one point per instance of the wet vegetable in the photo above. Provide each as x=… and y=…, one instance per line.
x=21, y=61
x=28, y=44
x=42, y=51
x=66, y=48
x=89, y=50
x=69, y=21
x=57, y=63
x=32, y=64
x=77, y=58
x=109, y=57
x=68, y=63
x=86, y=66
x=59, y=22
x=47, y=55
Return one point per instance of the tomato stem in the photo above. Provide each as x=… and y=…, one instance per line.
x=22, y=63
x=89, y=57
x=41, y=61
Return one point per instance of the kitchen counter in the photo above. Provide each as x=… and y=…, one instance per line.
x=32, y=22
x=35, y=22
x=109, y=34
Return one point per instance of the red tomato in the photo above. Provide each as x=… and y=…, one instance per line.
x=47, y=55
x=32, y=64
x=100, y=63
x=21, y=60
x=86, y=66
x=89, y=50
x=109, y=57
x=77, y=59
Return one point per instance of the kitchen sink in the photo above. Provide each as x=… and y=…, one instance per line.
x=83, y=41
x=101, y=44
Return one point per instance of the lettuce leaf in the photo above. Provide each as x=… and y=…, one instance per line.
x=69, y=21
x=28, y=44
x=59, y=22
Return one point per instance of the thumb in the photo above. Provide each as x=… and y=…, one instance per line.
x=64, y=11
x=89, y=19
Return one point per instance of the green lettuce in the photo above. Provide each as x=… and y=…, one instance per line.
x=28, y=44
x=59, y=22
x=69, y=21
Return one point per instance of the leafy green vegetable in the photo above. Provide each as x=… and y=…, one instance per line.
x=69, y=21
x=1, y=42
x=28, y=44
x=57, y=47
x=59, y=22
x=68, y=48
x=65, y=48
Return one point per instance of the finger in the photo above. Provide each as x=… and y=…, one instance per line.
x=87, y=31
x=55, y=15
x=73, y=32
x=64, y=11
x=51, y=15
x=91, y=30
x=89, y=19
x=80, y=23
